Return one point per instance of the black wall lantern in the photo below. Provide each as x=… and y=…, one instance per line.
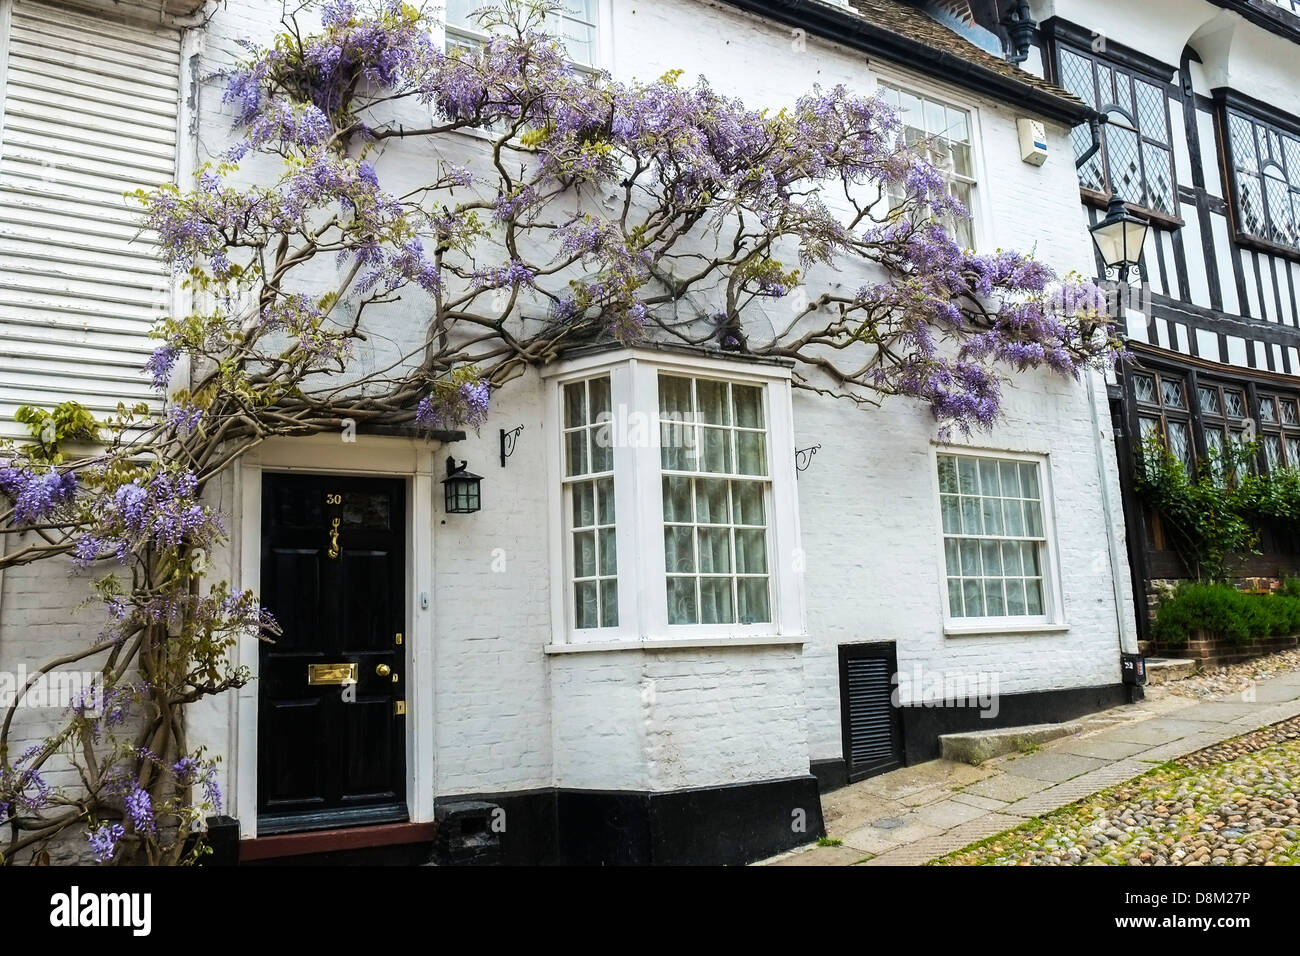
x=460, y=489
x=1119, y=238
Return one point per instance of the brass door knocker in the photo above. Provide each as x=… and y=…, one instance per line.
x=334, y=539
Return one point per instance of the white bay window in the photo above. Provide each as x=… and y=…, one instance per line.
x=676, y=500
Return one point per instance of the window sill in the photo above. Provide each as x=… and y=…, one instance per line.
x=992, y=630
x=673, y=644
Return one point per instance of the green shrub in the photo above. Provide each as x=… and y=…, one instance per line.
x=1222, y=611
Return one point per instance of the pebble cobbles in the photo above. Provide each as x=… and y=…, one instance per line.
x=1234, y=678
x=1235, y=803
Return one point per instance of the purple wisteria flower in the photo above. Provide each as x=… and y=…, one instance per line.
x=161, y=364
x=104, y=839
x=37, y=494
x=139, y=807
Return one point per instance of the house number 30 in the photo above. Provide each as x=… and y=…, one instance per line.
x=333, y=499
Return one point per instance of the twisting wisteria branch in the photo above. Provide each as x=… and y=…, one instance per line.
x=591, y=211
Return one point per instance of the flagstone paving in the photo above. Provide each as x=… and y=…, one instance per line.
x=911, y=816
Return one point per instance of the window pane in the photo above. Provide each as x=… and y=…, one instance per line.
x=600, y=398
x=1033, y=596
x=584, y=554
x=1171, y=392
x=585, y=604
x=973, y=595
x=677, y=447
x=584, y=505
x=1273, y=452
x=970, y=557
x=715, y=550
x=608, y=553
x=609, y=603
x=947, y=474
x=1015, y=590
x=1209, y=398
x=605, y=500
x=748, y=402
x=1289, y=412
x=748, y=498
x=714, y=408
x=679, y=550
x=681, y=601
x=1011, y=558
x=602, y=456
x=711, y=501
x=1144, y=389
x=575, y=453
x=970, y=516
x=991, y=558
x=994, y=604
x=1266, y=411
x=1235, y=404
x=1180, y=442
x=575, y=404
x=751, y=552
x=1033, y=519
x=675, y=397
x=752, y=597
x=954, y=598
x=1014, y=519
x=989, y=478
x=1010, y=479
x=950, y=506
x=715, y=601
x=677, y=499
x=1028, y=480
x=992, y=513
x=751, y=453
x=1292, y=452
x=952, y=557
x=1029, y=559
x=715, y=450
x=968, y=476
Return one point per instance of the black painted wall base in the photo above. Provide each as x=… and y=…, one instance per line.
x=732, y=824
x=922, y=726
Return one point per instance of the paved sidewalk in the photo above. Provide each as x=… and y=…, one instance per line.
x=910, y=816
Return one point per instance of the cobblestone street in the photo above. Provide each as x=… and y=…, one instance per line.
x=1231, y=804
x=1223, y=793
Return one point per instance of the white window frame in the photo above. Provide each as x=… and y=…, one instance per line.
x=602, y=34
x=981, y=215
x=1053, y=616
x=638, y=502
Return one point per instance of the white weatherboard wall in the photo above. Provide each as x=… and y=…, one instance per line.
x=89, y=114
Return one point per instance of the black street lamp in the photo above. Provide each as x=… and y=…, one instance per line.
x=1119, y=238
x=460, y=489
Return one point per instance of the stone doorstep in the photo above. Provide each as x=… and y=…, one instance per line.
x=979, y=745
x=1161, y=670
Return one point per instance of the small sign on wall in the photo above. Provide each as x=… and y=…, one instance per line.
x=1033, y=141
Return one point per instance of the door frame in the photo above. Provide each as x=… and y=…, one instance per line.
x=384, y=457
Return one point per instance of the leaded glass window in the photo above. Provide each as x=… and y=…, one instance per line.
x=1136, y=160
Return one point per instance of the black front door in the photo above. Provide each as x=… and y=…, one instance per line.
x=331, y=742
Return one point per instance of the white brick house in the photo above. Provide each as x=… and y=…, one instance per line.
x=597, y=706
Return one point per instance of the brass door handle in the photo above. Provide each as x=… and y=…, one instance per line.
x=383, y=670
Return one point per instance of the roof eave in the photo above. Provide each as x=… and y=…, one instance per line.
x=851, y=30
